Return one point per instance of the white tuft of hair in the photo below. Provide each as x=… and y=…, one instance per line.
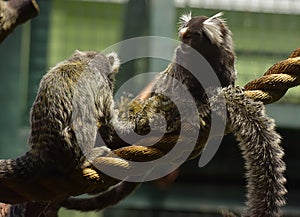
x=114, y=61
x=212, y=28
x=184, y=19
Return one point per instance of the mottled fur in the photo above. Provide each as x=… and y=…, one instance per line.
x=221, y=57
x=74, y=100
x=261, y=150
x=247, y=120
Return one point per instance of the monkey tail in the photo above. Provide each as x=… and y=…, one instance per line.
x=16, y=177
x=20, y=167
x=108, y=198
x=261, y=150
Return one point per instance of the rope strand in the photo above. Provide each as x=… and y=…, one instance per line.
x=276, y=81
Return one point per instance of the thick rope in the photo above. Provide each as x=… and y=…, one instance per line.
x=276, y=81
x=268, y=89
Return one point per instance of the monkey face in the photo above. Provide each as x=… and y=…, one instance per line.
x=192, y=35
x=210, y=37
x=205, y=34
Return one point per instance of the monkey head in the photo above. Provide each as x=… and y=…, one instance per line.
x=108, y=64
x=210, y=37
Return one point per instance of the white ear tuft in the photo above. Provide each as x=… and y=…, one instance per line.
x=79, y=52
x=184, y=19
x=114, y=61
x=218, y=15
x=212, y=27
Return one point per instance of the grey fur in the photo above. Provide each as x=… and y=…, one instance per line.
x=261, y=150
x=74, y=98
x=247, y=120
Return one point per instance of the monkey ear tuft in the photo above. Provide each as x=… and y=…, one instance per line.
x=78, y=52
x=184, y=19
x=114, y=61
x=213, y=28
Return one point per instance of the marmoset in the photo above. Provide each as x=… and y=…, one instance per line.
x=63, y=138
x=74, y=100
x=247, y=120
x=210, y=38
x=213, y=40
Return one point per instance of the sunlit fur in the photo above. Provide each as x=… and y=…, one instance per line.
x=213, y=29
x=184, y=19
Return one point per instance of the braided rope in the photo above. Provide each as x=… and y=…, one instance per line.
x=268, y=89
x=276, y=81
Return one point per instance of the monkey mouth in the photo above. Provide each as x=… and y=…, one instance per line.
x=185, y=48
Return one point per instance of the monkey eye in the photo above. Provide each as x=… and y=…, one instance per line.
x=197, y=33
x=187, y=35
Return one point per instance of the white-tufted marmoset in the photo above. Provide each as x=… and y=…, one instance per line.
x=74, y=100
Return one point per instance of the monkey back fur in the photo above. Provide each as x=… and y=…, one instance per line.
x=73, y=100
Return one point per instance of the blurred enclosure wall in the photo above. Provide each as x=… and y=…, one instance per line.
x=264, y=32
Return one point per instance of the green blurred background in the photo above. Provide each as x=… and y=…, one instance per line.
x=262, y=37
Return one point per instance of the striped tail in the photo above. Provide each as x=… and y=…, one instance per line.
x=17, y=179
x=261, y=150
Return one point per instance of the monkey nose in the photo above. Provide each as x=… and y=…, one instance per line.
x=182, y=32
